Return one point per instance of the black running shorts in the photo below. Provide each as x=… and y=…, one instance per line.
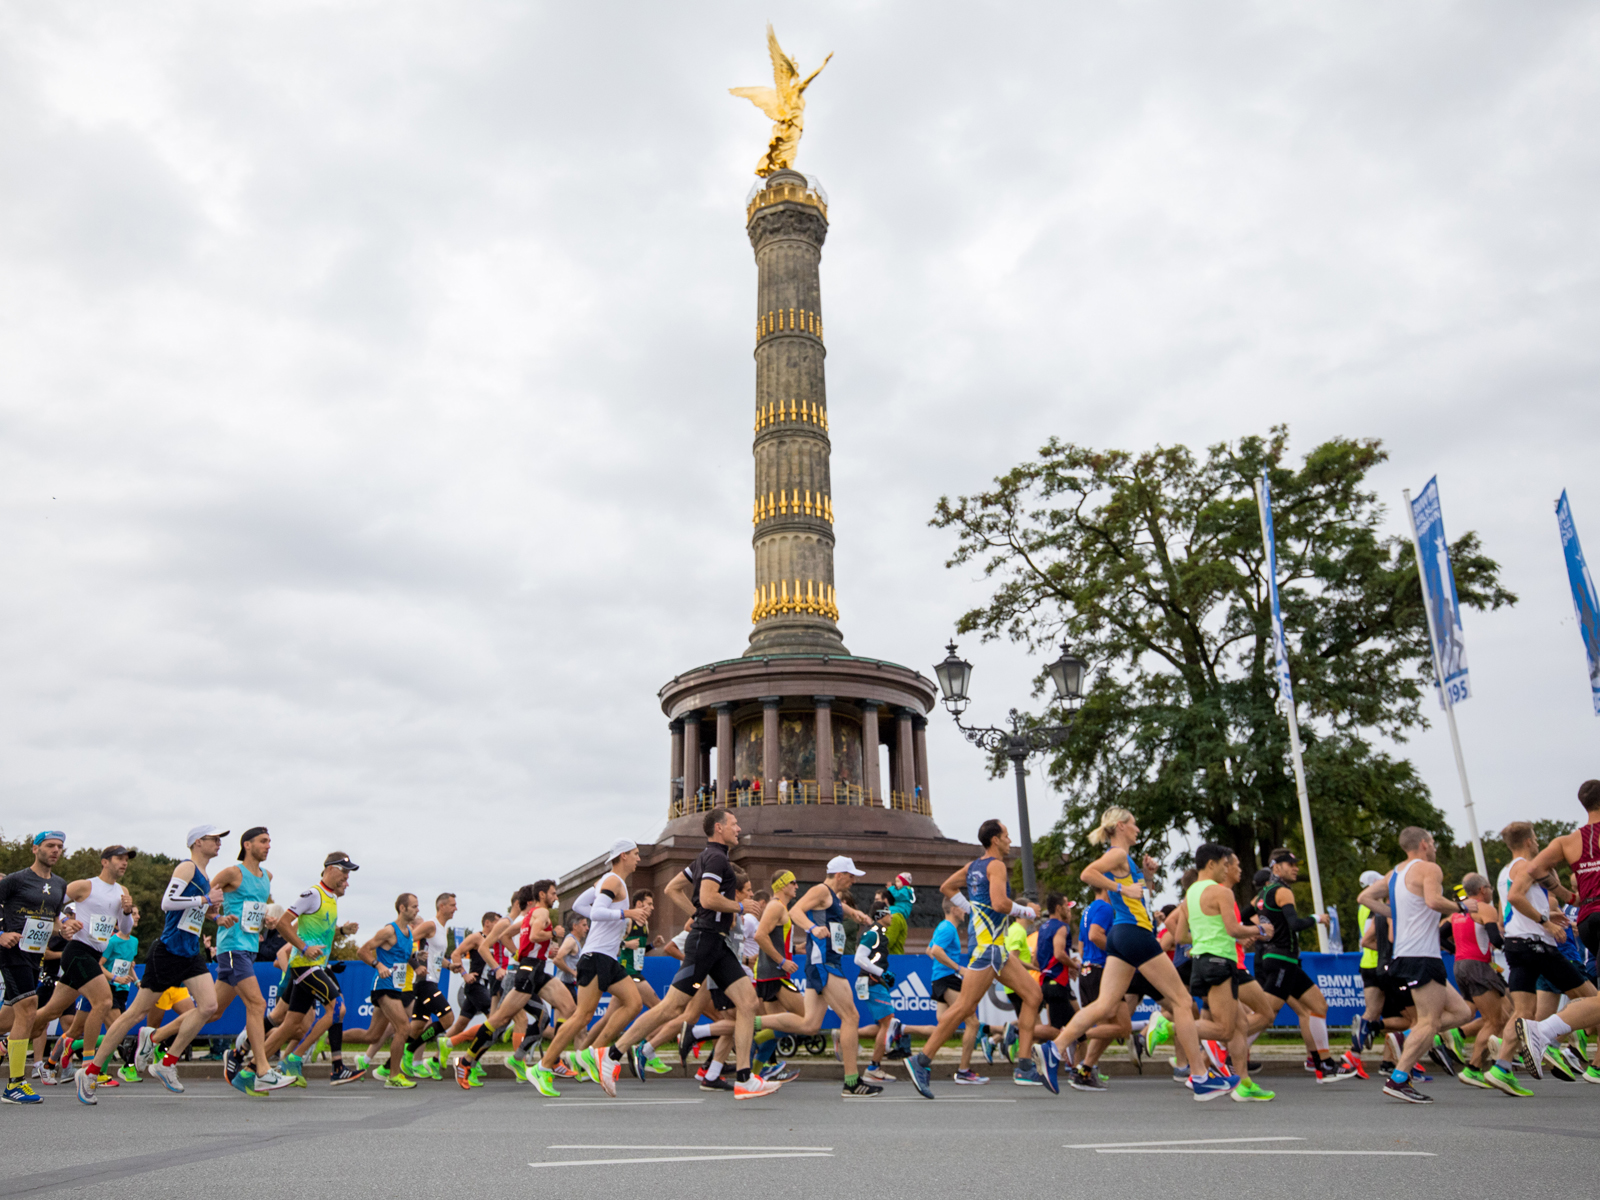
x=1212, y=970
x=529, y=977
x=476, y=1000
x=430, y=1002
x=20, y=973
x=1058, y=1004
x=1089, y=984
x=1529, y=958
x=1283, y=979
x=770, y=989
x=164, y=969
x=706, y=956
x=945, y=989
x=602, y=969
x=79, y=965
x=311, y=986
x=1414, y=972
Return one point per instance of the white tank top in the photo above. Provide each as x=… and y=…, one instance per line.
x=1517, y=925
x=100, y=911
x=605, y=937
x=1416, y=926
x=434, y=945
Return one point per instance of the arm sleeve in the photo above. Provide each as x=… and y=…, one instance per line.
x=173, y=901
x=604, y=908
x=1296, y=923
x=864, y=960
x=124, y=924
x=584, y=905
x=1496, y=938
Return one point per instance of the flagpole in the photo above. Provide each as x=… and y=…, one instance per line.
x=1444, y=692
x=1294, y=750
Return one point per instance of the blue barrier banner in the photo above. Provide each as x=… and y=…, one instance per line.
x=1439, y=593
x=1585, y=602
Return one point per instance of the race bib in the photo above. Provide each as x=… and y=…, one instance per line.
x=638, y=958
x=252, y=916
x=836, y=933
x=121, y=968
x=434, y=959
x=101, y=927
x=863, y=986
x=193, y=919
x=35, y=935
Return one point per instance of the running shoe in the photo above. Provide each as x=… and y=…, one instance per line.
x=85, y=1080
x=543, y=1079
x=1248, y=1090
x=1158, y=1033
x=1139, y=1051
x=1557, y=1066
x=749, y=1089
x=145, y=1051
x=609, y=1069
x=127, y=1074
x=398, y=1081
x=364, y=1063
x=231, y=1063
x=243, y=1079
x=1026, y=1074
x=654, y=1064
x=1392, y=1048
x=562, y=1071
x=518, y=1068
x=1364, y=1029
x=1009, y=1045
x=427, y=1069
x=838, y=1055
x=1404, y=1091
x=1472, y=1077
x=1351, y=1060
x=1217, y=1054
x=22, y=1093
x=463, y=1074
x=295, y=1065
x=272, y=1081
x=1418, y=1075
x=1582, y=1038
x=1440, y=1057
x=585, y=1060
x=444, y=1046
x=685, y=1045
x=970, y=1078
x=1310, y=1064
x=988, y=1047
x=250, y=1088
x=1532, y=1044
x=1048, y=1061
x=1458, y=1046
x=862, y=1090
x=107, y=1081
x=46, y=1074
x=920, y=1067
x=781, y=1072
x=1575, y=1064
x=1085, y=1079
x=341, y=1074
x=719, y=1084
x=477, y=1075
x=1213, y=1086
x=1591, y=1074
x=378, y=1073
x=1329, y=1071
x=167, y=1074
x=874, y=1075
x=1503, y=1080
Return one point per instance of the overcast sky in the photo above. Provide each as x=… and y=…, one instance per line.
x=375, y=419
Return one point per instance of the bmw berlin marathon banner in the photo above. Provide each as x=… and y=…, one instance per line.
x=1583, y=595
x=1439, y=583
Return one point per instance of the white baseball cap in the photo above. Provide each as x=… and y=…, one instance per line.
x=201, y=831
x=1368, y=878
x=841, y=863
x=618, y=848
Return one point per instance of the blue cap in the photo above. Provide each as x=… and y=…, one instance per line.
x=40, y=839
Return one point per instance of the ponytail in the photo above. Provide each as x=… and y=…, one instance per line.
x=1109, y=820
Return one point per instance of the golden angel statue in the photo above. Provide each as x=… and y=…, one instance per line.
x=785, y=103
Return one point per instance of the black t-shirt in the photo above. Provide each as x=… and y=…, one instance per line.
x=271, y=943
x=712, y=863
x=24, y=896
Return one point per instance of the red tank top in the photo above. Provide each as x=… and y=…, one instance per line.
x=527, y=948
x=1472, y=940
x=1238, y=947
x=502, y=956
x=1587, y=869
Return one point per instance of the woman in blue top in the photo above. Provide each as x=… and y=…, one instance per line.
x=1132, y=946
x=246, y=889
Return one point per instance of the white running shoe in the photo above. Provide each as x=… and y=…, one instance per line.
x=86, y=1080
x=272, y=1081
x=610, y=1068
x=144, y=1052
x=754, y=1086
x=167, y=1075
x=242, y=1042
x=1533, y=1043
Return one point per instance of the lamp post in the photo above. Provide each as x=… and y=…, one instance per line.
x=1067, y=673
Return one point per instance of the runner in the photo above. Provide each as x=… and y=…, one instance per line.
x=430, y=1007
x=1372, y=991
x=873, y=994
x=122, y=950
x=311, y=925
x=389, y=950
x=1411, y=895
x=1580, y=849
x=30, y=903
x=473, y=958
x=600, y=970
x=708, y=884
x=1534, y=931
x=1477, y=935
x=1280, y=974
x=246, y=889
x=944, y=986
x=1057, y=966
x=175, y=961
x=1132, y=947
x=992, y=909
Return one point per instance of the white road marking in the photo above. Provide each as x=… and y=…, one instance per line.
x=923, y=1100
x=1358, y=1153
x=1182, y=1142
x=607, y=1104
x=606, y=1162
x=636, y=1146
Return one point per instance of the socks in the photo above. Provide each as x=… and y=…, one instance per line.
x=1553, y=1027
x=17, y=1052
x=1399, y=1076
x=614, y=1054
x=850, y=1081
x=702, y=1031
x=715, y=1069
x=647, y=1050
x=169, y=1059
x=336, y=1043
x=742, y=1075
x=1319, y=1034
x=485, y=1039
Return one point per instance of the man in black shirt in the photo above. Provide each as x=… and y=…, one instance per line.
x=30, y=903
x=708, y=884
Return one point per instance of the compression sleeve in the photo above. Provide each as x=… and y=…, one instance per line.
x=1296, y=923
x=605, y=908
x=864, y=961
x=1496, y=938
x=584, y=905
x=172, y=900
x=124, y=923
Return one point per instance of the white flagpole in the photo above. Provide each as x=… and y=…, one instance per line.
x=1299, y=764
x=1444, y=692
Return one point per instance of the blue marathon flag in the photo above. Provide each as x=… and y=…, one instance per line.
x=1439, y=593
x=1583, y=595
x=1279, y=646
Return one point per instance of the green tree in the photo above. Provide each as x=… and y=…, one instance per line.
x=145, y=880
x=1151, y=566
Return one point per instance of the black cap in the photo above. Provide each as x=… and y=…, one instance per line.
x=339, y=859
x=250, y=835
x=1283, y=856
x=1262, y=876
x=117, y=852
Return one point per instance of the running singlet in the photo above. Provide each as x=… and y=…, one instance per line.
x=1128, y=911
x=948, y=938
x=1100, y=913
x=606, y=922
x=988, y=926
x=528, y=950
x=433, y=944
x=101, y=914
x=397, y=956
x=1587, y=869
x=180, y=933
x=876, y=946
x=1051, y=968
x=1210, y=934
x=318, y=911
x=1285, y=942
x=1369, y=958
x=29, y=905
x=783, y=938
x=829, y=923
x=1416, y=926
x=1472, y=939
x=1517, y=925
x=247, y=902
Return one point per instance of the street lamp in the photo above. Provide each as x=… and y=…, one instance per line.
x=1067, y=673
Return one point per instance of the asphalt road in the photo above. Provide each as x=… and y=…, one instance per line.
x=505, y=1140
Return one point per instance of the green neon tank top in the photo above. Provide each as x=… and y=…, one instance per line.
x=1210, y=935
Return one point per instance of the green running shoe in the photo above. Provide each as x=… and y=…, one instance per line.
x=1582, y=1040
x=1159, y=1033
x=1591, y=1074
x=362, y=1062
x=377, y=1072
x=1472, y=1077
x=518, y=1068
x=656, y=1066
x=1505, y=1081
x=476, y=1076
x=1458, y=1045
x=129, y=1075
x=586, y=1060
x=406, y=1067
x=1556, y=1065
x=294, y=1064
x=1248, y=1090
x=444, y=1047
x=543, y=1079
